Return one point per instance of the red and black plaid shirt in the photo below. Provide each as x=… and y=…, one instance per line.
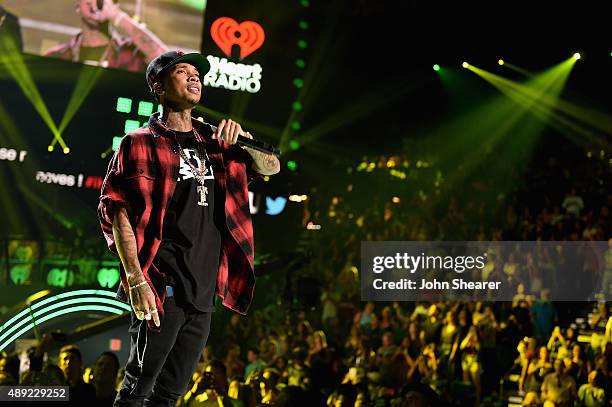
x=142, y=176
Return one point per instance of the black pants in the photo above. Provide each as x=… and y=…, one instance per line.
x=169, y=359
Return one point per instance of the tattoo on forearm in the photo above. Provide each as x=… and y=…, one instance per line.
x=125, y=240
x=144, y=39
x=267, y=163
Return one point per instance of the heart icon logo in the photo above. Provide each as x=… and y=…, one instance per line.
x=108, y=277
x=248, y=35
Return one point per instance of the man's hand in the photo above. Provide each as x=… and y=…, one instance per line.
x=263, y=163
x=109, y=12
x=143, y=302
x=228, y=130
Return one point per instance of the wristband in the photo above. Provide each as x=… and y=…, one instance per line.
x=138, y=285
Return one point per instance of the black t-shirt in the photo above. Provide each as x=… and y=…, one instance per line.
x=191, y=241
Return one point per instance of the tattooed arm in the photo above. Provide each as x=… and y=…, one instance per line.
x=145, y=40
x=125, y=240
x=265, y=164
x=141, y=295
x=229, y=130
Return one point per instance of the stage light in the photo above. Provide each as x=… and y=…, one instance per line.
x=577, y=55
x=60, y=277
x=87, y=79
x=312, y=226
x=130, y=125
x=436, y=67
x=305, y=3
x=395, y=199
x=50, y=148
x=398, y=174
x=303, y=24
x=115, y=345
x=294, y=145
x=66, y=150
x=465, y=64
x=297, y=106
x=266, y=178
x=116, y=143
x=12, y=59
x=300, y=63
x=500, y=61
x=103, y=155
x=108, y=277
x=124, y=105
x=145, y=108
x=298, y=198
x=292, y=165
x=295, y=125
x=302, y=44
x=37, y=296
x=298, y=83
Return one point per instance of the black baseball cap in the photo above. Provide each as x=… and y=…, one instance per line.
x=170, y=58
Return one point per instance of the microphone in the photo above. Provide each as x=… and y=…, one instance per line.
x=258, y=145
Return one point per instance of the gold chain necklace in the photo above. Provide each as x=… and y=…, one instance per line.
x=198, y=174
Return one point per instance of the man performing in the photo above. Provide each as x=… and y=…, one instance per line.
x=175, y=207
x=98, y=44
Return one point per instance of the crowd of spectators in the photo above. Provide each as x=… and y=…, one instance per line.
x=343, y=352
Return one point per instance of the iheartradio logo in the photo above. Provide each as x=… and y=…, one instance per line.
x=235, y=76
x=227, y=32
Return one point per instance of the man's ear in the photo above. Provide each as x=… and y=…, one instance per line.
x=158, y=89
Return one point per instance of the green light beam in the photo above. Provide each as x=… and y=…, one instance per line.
x=12, y=60
x=254, y=127
x=316, y=72
x=545, y=102
x=367, y=104
x=42, y=203
x=88, y=77
x=518, y=69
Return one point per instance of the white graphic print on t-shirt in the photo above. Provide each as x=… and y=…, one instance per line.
x=185, y=173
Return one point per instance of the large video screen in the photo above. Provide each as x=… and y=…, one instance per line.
x=51, y=190
x=123, y=34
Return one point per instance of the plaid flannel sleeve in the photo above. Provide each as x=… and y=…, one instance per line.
x=113, y=194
